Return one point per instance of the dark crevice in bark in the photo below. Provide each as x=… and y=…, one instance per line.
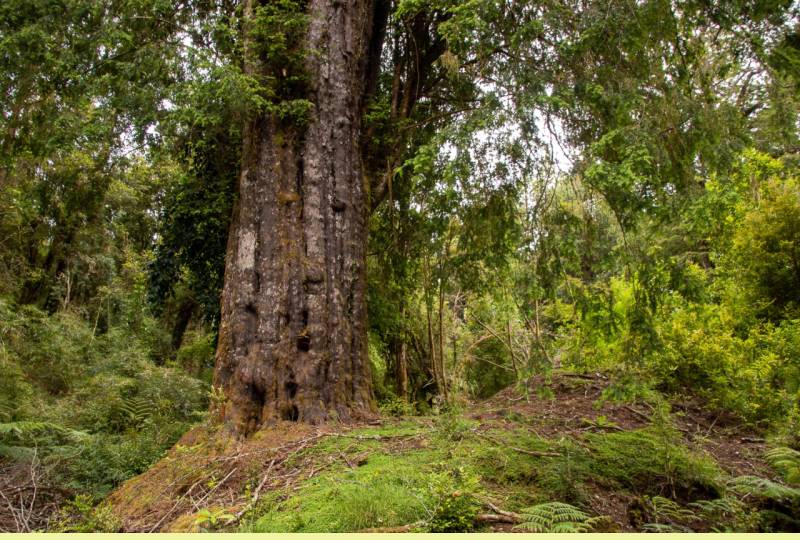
x=290, y=413
x=291, y=389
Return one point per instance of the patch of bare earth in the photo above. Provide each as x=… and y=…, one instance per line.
x=27, y=502
x=574, y=401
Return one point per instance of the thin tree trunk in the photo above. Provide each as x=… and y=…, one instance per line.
x=183, y=317
x=293, y=334
x=429, y=320
x=401, y=361
x=442, y=370
x=511, y=349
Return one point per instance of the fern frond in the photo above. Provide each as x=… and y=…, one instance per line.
x=664, y=528
x=6, y=410
x=786, y=461
x=138, y=409
x=16, y=453
x=556, y=517
x=669, y=509
x=716, y=506
x=763, y=488
x=34, y=431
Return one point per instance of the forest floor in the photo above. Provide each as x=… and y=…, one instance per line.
x=475, y=469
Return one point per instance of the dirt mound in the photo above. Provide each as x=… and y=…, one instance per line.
x=570, y=404
x=208, y=469
x=212, y=474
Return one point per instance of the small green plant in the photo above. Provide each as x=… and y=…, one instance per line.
x=601, y=423
x=138, y=410
x=727, y=514
x=667, y=515
x=455, y=502
x=557, y=517
x=210, y=520
x=396, y=406
x=82, y=516
x=451, y=425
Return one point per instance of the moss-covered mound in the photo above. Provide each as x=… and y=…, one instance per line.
x=566, y=461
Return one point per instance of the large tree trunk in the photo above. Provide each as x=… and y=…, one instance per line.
x=293, y=333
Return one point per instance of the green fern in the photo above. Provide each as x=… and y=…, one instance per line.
x=664, y=528
x=763, y=488
x=557, y=517
x=27, y=428
x=787, y=462
x=16, y=453
x=17, y=439
x=6, y=409
x=717, y=507
x=23, y=430
x=726, y=515
x=668, y=516
x=137, y=409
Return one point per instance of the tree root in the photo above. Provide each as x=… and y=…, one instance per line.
x=498, y=516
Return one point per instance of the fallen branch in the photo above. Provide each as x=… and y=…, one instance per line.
x=256, y=493
x=213, y=489
x=376, y=437
x=495, y=518
x=399, y=529
x=640, y=414
x=183, y=499
x=535, y=453
x=585, y=376
x=504, y=513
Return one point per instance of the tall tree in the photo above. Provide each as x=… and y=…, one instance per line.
x=293, y=335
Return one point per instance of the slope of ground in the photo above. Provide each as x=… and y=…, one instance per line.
x=637, y=466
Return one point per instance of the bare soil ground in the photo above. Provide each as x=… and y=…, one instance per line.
x=26, y=503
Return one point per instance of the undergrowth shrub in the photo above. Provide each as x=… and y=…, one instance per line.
x=787, y=462
x=394, y=406
x=81, y=515
x=455, y=504
x=92, y=405
x=196, y=355
x=451, y=425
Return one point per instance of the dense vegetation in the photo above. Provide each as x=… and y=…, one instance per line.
x=599, y=187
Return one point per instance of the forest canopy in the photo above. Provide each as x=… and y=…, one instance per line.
x=231, y=214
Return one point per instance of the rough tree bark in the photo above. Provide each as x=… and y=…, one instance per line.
x=293, y=333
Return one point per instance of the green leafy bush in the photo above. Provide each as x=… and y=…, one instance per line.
x=455, y=504
x=81, y=515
